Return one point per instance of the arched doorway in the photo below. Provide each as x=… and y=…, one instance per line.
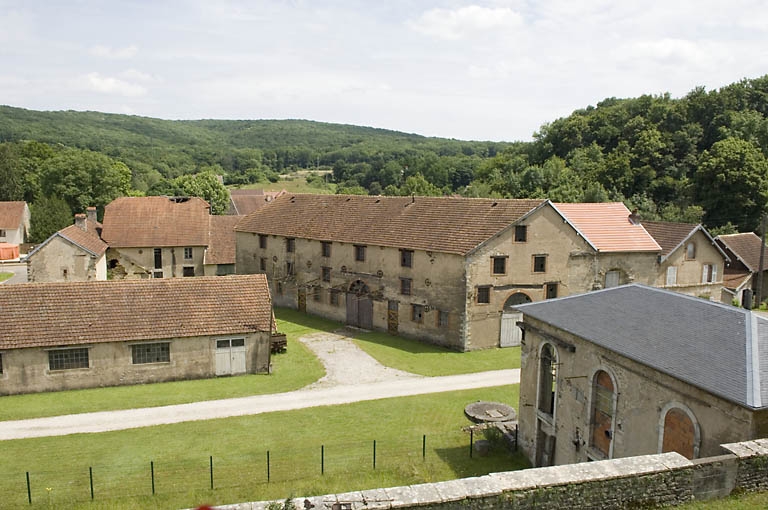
x=680, y=432
x=359, y=305
x=511, y=335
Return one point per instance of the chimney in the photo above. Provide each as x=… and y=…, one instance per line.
x=91, y=214
x=634, y=218
x=80, y=221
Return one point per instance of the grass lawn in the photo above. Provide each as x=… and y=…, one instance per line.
x=180, y=453
x=736, y=502
x=295, y=183
x=5, y=276
x=294, y=369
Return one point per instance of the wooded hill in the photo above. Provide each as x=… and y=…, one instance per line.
x=701, y=157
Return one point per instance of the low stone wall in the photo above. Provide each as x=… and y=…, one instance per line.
x=649, y=480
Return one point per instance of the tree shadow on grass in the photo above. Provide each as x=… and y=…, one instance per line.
x=498, y=459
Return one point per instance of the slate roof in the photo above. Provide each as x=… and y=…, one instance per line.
x=441, y=224
x=607, y=227
x=719, y=348
x=746, y=247
x=88, y=240
x=76, y=313
x=221, y=240
x=11, y=214
x=135, y=222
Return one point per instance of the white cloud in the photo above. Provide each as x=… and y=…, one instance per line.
x=109, y=85
x=668, y=51
x=465, y=21
x=114, y=53
x=135, y=75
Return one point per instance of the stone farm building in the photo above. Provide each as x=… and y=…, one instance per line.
x=636, y=370
x=445, y=270
x=60, y=336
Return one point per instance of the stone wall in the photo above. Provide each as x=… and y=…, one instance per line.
x=645, y=481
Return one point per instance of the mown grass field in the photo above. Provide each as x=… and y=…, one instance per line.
x=5, y=276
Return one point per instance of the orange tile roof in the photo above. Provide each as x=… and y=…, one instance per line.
x=11, y=214
x=245, y=201
x=134, y=222
x=746, y=247
x=221, y=240
x=442, y=224
x=607, y=227
x=87, y=239
x=669, y=235
x=76, y=313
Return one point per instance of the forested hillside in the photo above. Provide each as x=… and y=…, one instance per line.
x=701, y=157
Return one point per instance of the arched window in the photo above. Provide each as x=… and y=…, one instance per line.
x=603, y=410
x=679, y=431
x=548, y=380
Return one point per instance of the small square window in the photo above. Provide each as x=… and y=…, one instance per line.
x=187, y=253
x=2, y=233
x=406, y=258
x=263, y=264
x=262, y=241
x=539, y=263
x=334, y=297
x=442, y=319
x=290, y=269
x=417, y=313
x=484, y=295
x=326, y=274
x=499, y=265
x=290, y=245
x=550, y=291
x=157, y=274
x=325, y=248
x=188, y=271
x=521, y=233
x=359, y=253
x=405, y=286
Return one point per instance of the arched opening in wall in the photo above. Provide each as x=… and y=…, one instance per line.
x=510, y=334
x=680, y=433
x=603, y=410
x=359, y=305
x=545, y=415
x=613, y=278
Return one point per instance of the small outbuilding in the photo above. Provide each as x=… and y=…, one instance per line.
x=60, y=336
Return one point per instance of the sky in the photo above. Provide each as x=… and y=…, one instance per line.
x=472, y=70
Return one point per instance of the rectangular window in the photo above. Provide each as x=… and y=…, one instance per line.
x=2, y=233
x=442, y=319
x=612, y=279
x=405, y=286
x=406, y=258
x=550, y=291
x=157, y=274
x=67, y=359
x=334, y=297
x=539, y=263
x=289, y=268
x=521, y=233
x=187, y=253
x=690, y=251
x=499, y=265
x=280, y=288
x=359, y=253
x=263, y=264
x=325, y=248
x=158, y=258
x=316, y=293
x=290, y=245
x=188, y=271
x=709, y=273
x=672, y=275
x=262, y=241
x=484, y=295
x=326, y=274
x=151, y=353
x=417, y=313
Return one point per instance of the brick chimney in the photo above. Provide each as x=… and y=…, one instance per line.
x=80, y=221
x=91, y=214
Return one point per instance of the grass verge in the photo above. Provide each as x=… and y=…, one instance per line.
x=180, y=454
x=5, y=276
x=735, y=502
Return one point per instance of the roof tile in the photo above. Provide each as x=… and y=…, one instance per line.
x=11, y=214
x=607, y=227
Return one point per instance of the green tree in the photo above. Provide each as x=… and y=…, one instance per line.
x=418, y=185
x=732, y=184
x=48, y=215
x=11, y=174
x=205, y=185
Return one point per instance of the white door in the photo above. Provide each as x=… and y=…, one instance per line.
x=230, y=356
x=237, y=354
x=511, y=334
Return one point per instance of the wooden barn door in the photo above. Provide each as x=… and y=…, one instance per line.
x=359, y=306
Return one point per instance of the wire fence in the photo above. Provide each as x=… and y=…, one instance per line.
x=252, y=468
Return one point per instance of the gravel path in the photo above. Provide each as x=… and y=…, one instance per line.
x=352, y=376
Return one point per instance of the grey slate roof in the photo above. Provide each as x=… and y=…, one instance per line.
x=718, y=348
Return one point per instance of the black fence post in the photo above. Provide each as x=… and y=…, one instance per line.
x=267, y=466
x=424, y=446
x=515, y=436
x=152, y=474
x=322, y=459
x=374, y=454
x=471, y=441
x=211, y=461
x=29, y=490
x=90, y=476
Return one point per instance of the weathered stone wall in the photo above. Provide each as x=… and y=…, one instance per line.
x=633, y=482
x=61, y=261
x=136, y=263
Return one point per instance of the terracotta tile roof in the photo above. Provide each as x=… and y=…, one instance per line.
x=87, y=239
x=669, y=235
x=245, y=201
x=607, y=227
x=442, y=224
x=221, y=240
x=746, y=247
x=735, y=279
x=11, y=214
x=58, y=314
x=132, y=222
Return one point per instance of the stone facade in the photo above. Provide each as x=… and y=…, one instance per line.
x=689, y=274
x=135, y=263
x=60, y=261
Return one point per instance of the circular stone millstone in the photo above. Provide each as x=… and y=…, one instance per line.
x=483, y=412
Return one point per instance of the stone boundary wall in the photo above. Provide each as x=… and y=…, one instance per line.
x=649, y=480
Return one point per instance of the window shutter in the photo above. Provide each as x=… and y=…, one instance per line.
x=714, y=273
x=704, y=273
x=671, y=275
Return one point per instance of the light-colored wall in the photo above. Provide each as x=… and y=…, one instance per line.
x=689, y=271
x=136, y=263
x=19, y=234
x=26, y=370
x=51, y=261
x=642, y=394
